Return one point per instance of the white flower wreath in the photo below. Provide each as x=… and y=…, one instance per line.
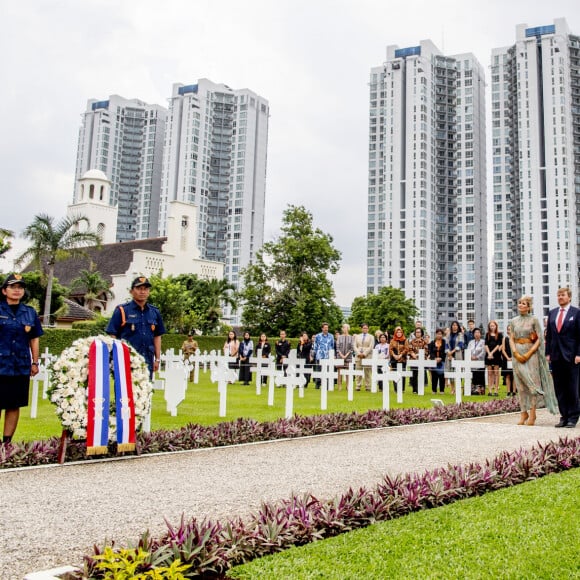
x=69, y=385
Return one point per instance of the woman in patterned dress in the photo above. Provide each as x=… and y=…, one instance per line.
x=531, y=375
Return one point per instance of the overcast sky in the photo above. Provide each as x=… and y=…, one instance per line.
x=310, y=58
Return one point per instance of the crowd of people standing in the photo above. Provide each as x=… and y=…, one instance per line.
x=539, y=363
x=539, y=374
x=448, y=344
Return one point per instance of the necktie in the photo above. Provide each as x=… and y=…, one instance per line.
x=560, y=319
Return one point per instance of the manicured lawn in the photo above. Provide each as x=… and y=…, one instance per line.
x=527, y=531
x=201, y=405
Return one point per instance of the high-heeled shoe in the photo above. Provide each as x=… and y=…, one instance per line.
x=523, y=418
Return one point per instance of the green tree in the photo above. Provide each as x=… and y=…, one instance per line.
x=172, y=299
x=96, y=290
x=208, y=297
x=216, y=294
x=5, y=243
x=387, y=310
x=288, y=286
x=188, y=302
x=52, y=242
x=36, y=292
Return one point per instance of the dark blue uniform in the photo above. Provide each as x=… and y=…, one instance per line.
x=17, y=328
x=139, y=328
x=19, y=324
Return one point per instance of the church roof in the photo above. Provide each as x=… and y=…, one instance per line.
x=94, y=174
x=110, y=259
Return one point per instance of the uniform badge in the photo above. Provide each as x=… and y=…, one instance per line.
x=27, y=328
x=153, y=327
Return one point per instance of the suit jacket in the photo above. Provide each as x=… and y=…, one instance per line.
x=363, y=347
x=563, y=345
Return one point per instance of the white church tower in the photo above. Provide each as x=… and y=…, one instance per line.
x=92, y=195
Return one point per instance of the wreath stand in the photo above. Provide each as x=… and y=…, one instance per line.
x=67, y=436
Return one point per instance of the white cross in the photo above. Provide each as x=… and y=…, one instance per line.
x=205, y=361
x=351, y=372
x=421, y=364
x=44, y=374
x=258, y=363
x=375, y=363
x=213, y=358
x=174, y=376
x=465, y=367
x=326, y=374
x=299, y=366
x=272, y=372
x=331, y=363
x=290, y=381
x=47, y=359
x=197, y=360
x=399, y=381
x=40, y=376
x=455, y=375
x=222, y=374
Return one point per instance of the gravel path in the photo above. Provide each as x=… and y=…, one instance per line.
x=49, y=519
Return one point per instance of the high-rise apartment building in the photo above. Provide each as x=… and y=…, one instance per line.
x=123, y=138
x=535, y=88
x=215, y=156
x=427, y=231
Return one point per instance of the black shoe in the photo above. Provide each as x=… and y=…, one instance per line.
x=562, y=423
x=570, y=425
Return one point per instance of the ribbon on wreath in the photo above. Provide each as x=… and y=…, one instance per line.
x=99, y=398
x=125, y=403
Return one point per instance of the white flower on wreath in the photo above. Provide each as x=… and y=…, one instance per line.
x=69, y=387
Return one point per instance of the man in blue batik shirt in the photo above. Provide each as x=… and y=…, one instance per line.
x=323, y=344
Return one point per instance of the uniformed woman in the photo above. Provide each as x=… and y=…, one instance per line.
x=19, y=332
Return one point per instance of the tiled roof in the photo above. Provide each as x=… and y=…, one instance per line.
x=76, y=312
x=109, y=259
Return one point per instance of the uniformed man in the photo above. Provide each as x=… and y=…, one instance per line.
x=188, y=350
x=140, y=324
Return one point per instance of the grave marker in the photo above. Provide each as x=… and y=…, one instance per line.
x=376, y=363
x=421, y=364
x=290, y=381
x=351, y=373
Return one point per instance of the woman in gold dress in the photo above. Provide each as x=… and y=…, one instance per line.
x=531, y=374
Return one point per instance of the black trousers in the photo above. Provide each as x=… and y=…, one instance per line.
x=437, y=379
x=566, y=377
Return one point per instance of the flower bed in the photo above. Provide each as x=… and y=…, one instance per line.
x=207, y=549
x=195, y=436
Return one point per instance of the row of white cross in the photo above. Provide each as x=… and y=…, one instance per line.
x=293, y=376
x=175, y=372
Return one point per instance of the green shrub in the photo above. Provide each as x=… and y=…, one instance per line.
x=57, y=339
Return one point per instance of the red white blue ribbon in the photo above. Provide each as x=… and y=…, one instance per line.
x=98, y=399
x=125, y=404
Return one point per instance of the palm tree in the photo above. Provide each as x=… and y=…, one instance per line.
x=218, y=293
x=96, y=288
x=5, y=243
x=55, y=242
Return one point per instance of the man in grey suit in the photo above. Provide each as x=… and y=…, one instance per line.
x=363, y=345
x=563, y=353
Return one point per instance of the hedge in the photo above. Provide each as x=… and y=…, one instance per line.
x=57, y=339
